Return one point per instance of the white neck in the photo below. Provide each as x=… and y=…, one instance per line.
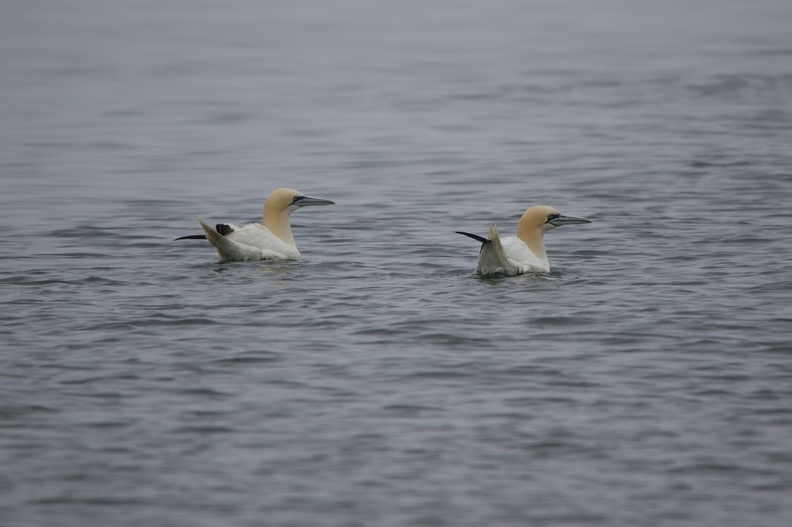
x=278, y=224
x=534, y=239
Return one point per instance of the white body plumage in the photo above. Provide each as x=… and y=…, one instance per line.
x=524, y=253
x=270, y=240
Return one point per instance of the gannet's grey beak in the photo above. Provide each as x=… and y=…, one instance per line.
x=308, y=201
x=567, y=220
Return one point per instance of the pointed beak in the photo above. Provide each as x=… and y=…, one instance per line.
x=308, y=201
x=567, y=220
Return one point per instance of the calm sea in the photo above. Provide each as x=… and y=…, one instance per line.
x=646, y=381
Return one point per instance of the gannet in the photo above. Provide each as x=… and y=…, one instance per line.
x=524, y=253
x=271, y=240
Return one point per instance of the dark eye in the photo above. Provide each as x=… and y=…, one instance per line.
x=551, y=217
x=296, y=199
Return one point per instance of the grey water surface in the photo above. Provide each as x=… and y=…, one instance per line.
x=646, y=381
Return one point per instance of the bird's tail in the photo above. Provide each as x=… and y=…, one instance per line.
x=492, y=258
x=214, y=237
x=229, y=250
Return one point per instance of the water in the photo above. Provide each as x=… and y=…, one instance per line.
x=646, y=381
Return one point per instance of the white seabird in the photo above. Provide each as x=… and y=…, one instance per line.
x=524, y=253
x=270, y=240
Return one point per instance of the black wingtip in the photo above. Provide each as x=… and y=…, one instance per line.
x=474, y=236
x=192, y=237
x=223, y=229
